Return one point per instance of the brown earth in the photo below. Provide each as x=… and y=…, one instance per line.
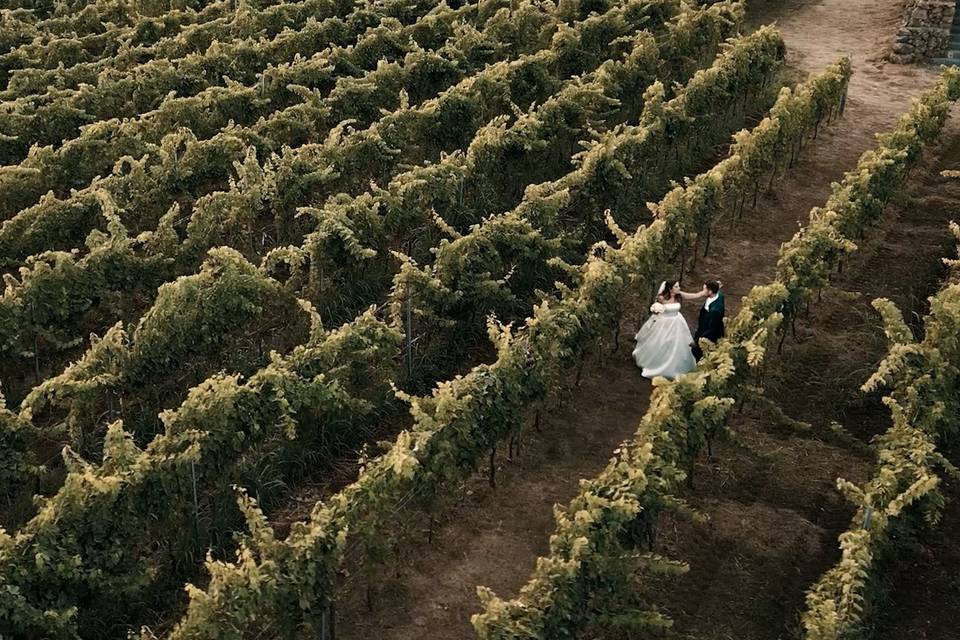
x=774, y=510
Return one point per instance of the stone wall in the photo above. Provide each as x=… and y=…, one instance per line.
x=925, y=32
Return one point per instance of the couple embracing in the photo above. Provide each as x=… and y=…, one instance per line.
x=664, y=344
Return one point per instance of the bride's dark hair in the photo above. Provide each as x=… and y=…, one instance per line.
x=666, y=292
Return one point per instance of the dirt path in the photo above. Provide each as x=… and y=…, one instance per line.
x=774, y=510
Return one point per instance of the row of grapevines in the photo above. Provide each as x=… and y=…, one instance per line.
x=89, y=17
x=469, y=277
x=355, y=235
x=165, y=36
x=584, y=580
x=453, y=428
x=299, y=114
x=117, y=536
x=302, y=114
x=496, y=267
x=219, y=318
x=923, y=378
x=16, y=28
x=162, y=83
x=53, y=9
x=95, y=37
x=112, y=94
x=243, y=23
x=40, y=309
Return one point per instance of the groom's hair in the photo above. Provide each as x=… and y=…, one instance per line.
x=713, y=286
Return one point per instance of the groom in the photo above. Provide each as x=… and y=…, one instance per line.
x=710, y=322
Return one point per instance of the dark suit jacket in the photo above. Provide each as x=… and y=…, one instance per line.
x=710, y=323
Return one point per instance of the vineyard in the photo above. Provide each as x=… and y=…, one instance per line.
x=318, y=314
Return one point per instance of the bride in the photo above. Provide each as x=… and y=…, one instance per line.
x=663, y=342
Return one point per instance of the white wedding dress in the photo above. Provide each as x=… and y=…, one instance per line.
x=663, y=344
